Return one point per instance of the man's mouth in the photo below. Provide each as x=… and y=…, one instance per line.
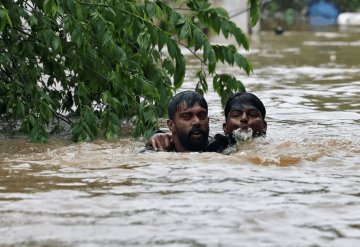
x=196, y=133
x=243, y=126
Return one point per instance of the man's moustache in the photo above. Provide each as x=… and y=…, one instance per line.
x=197, y=131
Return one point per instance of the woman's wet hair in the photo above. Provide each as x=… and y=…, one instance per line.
x=244, y=98
x=190, y=98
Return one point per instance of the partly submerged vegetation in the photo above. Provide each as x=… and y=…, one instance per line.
x=107, y=62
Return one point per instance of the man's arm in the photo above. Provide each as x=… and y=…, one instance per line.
x=219, y=143
x=160, y=141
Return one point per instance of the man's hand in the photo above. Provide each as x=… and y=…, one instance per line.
x=160, y=141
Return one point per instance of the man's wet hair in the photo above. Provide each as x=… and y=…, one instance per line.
x=244, y=98
x=190, y=98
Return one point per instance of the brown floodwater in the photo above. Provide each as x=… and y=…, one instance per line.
x=299, y=186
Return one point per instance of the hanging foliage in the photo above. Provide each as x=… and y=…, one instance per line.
x=106, y=61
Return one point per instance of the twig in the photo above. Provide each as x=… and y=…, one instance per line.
x=63, y=118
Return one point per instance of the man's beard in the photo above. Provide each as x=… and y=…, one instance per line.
x=196, y=144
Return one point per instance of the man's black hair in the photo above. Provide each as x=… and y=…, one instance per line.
x=244, y=98
x=189, y=98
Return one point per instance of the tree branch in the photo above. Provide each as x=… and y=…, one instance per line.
x=63, y=118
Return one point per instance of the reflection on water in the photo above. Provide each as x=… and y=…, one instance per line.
x=299, y=186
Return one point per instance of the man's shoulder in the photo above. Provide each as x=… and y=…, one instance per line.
x=218, y=143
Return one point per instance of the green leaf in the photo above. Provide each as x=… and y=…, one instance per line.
x=180, y=21
x=218, y=52
x=110, y=134
x=118, y=53
x=106, y=38
x=114, y=119
x=83, y=91
x=144, y=40
x=105, y=97
x=77, y=37
x=215, y=23
x=4, y=18
x=33, y=20
x=243, y=63
x=254, y=12
x=71, y=4
x=154, y=35
x=20, y=110
x=50, y=7
x=179, y=72
x=56, y=43
x=37, y=134
x=172, y=48
x=162, y=40
x=150, y=9
x=241, y=38
x=167, y=64
x=158, y=10
x=148, y=89
x=173, y=19
x=199, y=38
x=221, y=12
x=225, y=28
x=45, y=111
x=225, y=85
x=212, y=61
x=201, y=86
x=110, y=14
x=185, y=31
x=207, y=50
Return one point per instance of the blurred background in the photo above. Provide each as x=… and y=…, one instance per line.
x=296, y=15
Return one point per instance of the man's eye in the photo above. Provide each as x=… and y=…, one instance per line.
x=186, y=116
x=236, y=114
x=253, y=114
x=202, y=115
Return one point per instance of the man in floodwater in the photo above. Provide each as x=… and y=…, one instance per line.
x=188, y=122
x=244, y=113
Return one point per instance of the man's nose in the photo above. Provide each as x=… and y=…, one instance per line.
x=196, y=120
x=244, y=117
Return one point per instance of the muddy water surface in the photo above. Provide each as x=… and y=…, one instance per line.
x=299, y=186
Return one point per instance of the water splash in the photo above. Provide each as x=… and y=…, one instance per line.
x=242, y=135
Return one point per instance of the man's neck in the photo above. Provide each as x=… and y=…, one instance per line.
x=178, y=147
x=181, y=149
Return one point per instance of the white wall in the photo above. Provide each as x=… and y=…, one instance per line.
x=236, y=6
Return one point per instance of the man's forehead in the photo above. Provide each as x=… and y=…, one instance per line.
x=243, y=107
x=184, y=107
